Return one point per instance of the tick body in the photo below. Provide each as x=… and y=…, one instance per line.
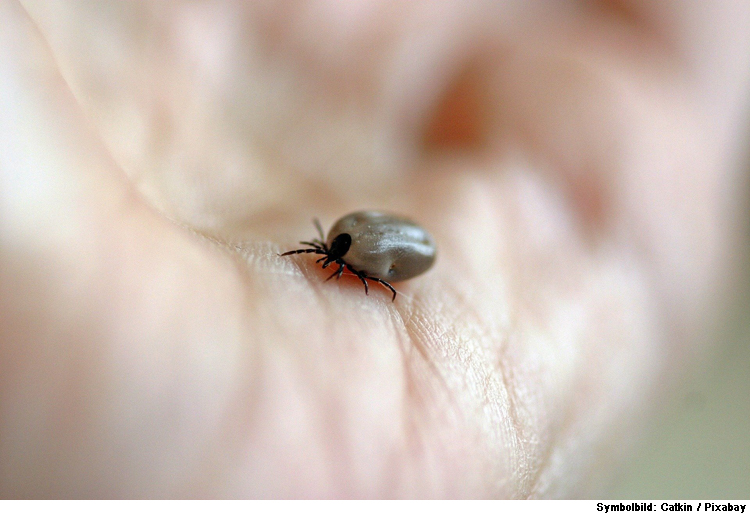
x=374, y=246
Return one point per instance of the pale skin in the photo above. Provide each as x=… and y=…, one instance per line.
x=577, y=168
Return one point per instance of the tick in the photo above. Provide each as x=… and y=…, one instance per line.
x=373, y=246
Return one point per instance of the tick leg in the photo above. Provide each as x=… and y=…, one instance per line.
x=319, y=243
x=361, y=277
x=364, y=281
x=316, y=222
x=337, y=272
x=318, y=251
x=386, y=285
x=313, y=244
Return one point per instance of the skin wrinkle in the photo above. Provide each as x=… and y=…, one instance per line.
x=474, y=342
x=553, y=434
x=521, y=441
x=413, y=399
x=548, y=450
x=413, y=343
x=417, y=332
x=416, y=342
x=556, y=433
x=507, y=420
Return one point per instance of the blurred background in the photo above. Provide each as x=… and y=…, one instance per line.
x=698, y=447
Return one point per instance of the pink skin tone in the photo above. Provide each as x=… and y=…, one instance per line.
x=577, y=167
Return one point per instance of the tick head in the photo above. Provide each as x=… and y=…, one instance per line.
x=339, y=246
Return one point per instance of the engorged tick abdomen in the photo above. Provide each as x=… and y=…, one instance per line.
x=384, y=246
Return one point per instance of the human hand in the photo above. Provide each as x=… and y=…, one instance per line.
x=574, y=165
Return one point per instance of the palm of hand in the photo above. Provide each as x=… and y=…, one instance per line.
x=146, y=358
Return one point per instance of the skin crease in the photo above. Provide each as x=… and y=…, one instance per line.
x=576, y=165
